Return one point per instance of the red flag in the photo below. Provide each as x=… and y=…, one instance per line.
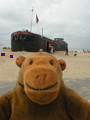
x=37, y=20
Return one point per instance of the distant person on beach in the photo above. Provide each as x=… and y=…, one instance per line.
x=66, y=51
x=51, y=49
x=75, y=54
x=83, y=51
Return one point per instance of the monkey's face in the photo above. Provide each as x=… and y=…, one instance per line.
x=42, y=77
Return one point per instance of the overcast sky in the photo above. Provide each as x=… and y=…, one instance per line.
x=69, y=19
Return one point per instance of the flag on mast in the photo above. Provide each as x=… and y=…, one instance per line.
x=37, y=20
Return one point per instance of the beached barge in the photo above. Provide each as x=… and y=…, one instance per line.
x=28, y=41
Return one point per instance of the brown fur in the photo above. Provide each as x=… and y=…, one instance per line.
x=55, y=103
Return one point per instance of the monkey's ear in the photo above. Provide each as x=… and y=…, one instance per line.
x=20, y=60
x=62, y=63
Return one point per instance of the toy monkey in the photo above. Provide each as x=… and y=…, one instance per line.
x=40, y=93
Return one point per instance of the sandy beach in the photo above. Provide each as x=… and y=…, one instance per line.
x=77, y=66
x=75, y=76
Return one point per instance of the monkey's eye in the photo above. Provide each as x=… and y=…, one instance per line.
x=51, y=62
x=31, y=62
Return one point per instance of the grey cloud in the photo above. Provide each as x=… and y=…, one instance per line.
x=59, y=18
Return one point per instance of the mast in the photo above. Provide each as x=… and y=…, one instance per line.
x=42, y=32
x=31, y=20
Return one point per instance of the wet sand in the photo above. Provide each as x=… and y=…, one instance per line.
x=80, y=85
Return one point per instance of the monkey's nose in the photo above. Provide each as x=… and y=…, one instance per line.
x=40, y=78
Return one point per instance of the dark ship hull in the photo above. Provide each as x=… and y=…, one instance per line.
x=27, y=41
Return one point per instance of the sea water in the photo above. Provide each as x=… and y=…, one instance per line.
x=75, y=49
x=79, y=50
